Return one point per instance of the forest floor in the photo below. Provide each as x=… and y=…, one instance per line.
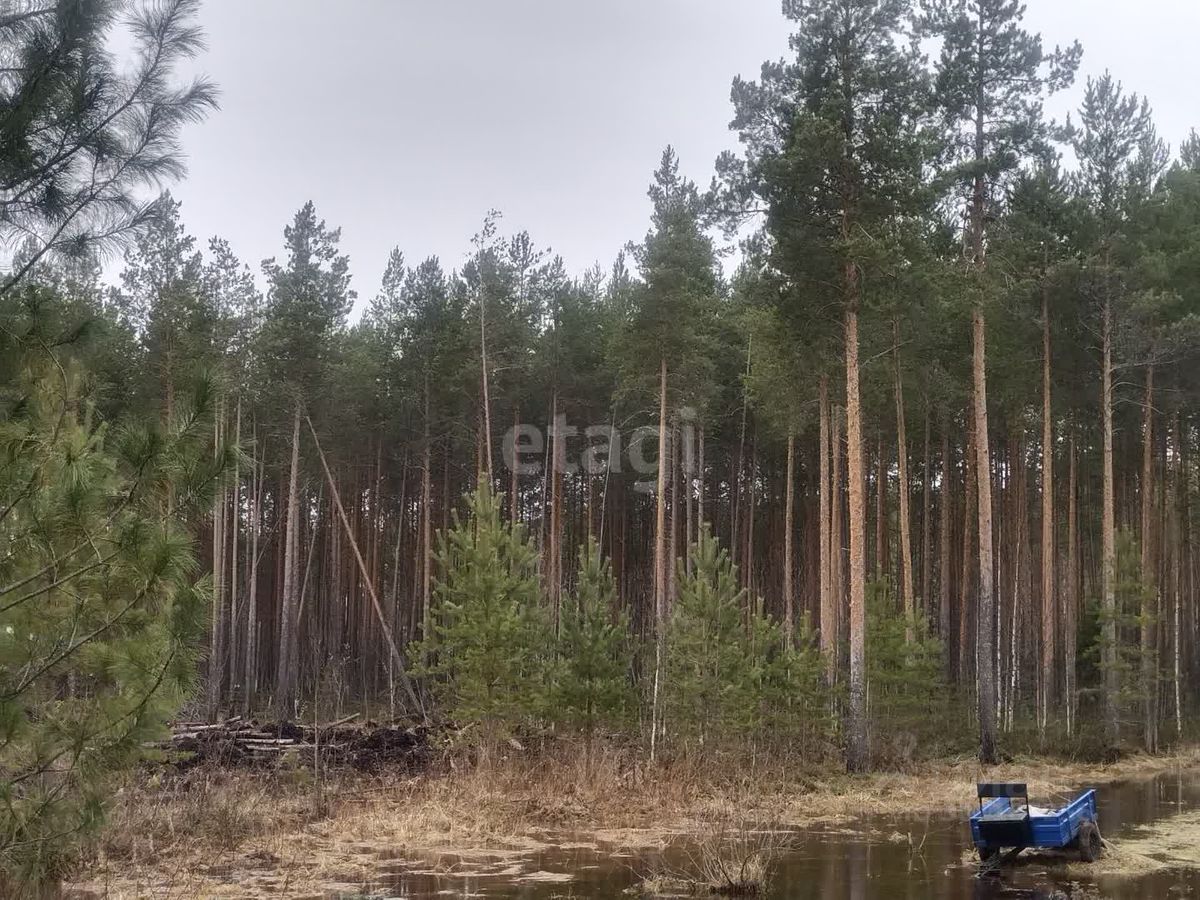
x=215, y=833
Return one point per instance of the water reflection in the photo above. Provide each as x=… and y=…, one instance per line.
x=907, y=858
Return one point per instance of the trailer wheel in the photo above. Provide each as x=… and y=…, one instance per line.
x=986, y=854
x=1090, y=843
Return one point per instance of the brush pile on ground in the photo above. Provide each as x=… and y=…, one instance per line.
x=247, y=743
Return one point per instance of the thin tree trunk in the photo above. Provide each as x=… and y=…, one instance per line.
x=1048, y=550
x=289, y=642
x=514, y=509
x=968, y=612
x=235, y=520
x=251, y=679
x=985, y=618
x=1108, y=541
x=1071, y=594
x=483, y=367
x=673, y=516
x=837, y=547
x=789, y=600
x=216, y=656
x=660, y=586
x=1149, y=661
x=1178, y=485
x=826, y=501
x=880, y=511
x=426, y=543
x=857, y=750
x=945, y=506
x=925, y=596
x=906, y=557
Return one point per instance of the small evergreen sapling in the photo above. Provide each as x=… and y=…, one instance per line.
x=489, y=654
x=730, y=672
x=592, y=687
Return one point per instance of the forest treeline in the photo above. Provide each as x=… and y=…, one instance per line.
x=941, y=415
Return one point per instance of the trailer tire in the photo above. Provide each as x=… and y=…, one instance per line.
x=1091, y=845
x=987, y=854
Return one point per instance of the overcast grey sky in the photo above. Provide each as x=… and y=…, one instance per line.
x=406, y=120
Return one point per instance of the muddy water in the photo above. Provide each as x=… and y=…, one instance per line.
x=878, y=858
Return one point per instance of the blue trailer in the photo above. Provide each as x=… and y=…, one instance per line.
x=1005, y=821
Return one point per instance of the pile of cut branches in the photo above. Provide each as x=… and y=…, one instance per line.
x=246, y=743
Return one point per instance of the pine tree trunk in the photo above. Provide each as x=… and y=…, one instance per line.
x=485, y=397
x=1178, y=485
x=1149, y=648
x=825, y=552
x=1048, y=550
x=968, y=611
x=251, y=677
x=553, y=577
x=857, y=750
x=216, y=655
x=906, y=557
x=925, y=595
x=1108, y=542
x=514, y=509
x=231, y=652
x=945, y=506
x=837, y=534
x=660, y=585
x=986, y=611
x=289, y=635
x=426, y=543
x=789, y=600
x=673, y=516
x=881, y=479
x=1071, y=594
x=751, y=500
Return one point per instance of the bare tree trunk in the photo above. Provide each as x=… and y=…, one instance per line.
x=251, y=679
x=700, y=486
x=789, y=600
x=825, y=499
x=1178, y=484
x=857, y=749
x=837, y=548
x=946, y=505
x=1108, y=541
x=906, y=557
x=553, y=576
x=673, y=516
x=289, y=634
x=735, y=490
x=925, y=596
x=968, y=612
x=426, y=543
x=748, y=557
x=514, y=509
x=1048, y=576
x=1149, y=661
x=660, y=586
x=216, y=655
x=1071, y=595
x=881, y=480
x=483, y=368
x=985, y=619
x=231, y=652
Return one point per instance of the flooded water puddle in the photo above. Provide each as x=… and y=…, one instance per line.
x=1154, y=826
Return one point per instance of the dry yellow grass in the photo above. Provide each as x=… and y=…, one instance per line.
x=219, y=835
